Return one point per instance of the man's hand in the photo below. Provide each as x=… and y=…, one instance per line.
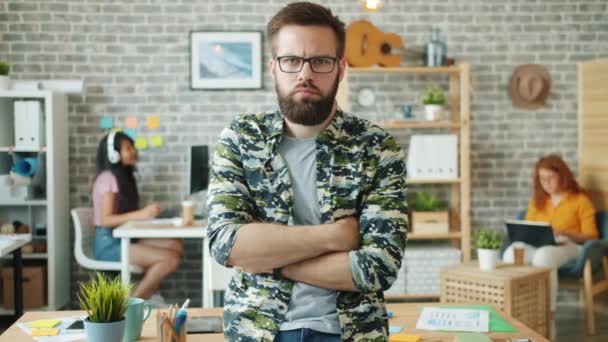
x=346, y=234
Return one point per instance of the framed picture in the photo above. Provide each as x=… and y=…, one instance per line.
x=225, y=60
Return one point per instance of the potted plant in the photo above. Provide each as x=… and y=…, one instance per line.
x=488, y=242
x=4, y=80
x=433, y=101
x=105, y=302
x=429, y=214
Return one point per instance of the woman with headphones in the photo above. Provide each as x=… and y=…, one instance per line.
x=116, y=201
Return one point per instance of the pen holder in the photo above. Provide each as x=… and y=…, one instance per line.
x=166, y=330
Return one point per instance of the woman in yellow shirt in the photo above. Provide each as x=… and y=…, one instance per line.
x=560, y=201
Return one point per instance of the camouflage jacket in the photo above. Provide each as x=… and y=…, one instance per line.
x=360, y=171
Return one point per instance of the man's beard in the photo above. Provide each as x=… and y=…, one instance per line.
x=307, y=112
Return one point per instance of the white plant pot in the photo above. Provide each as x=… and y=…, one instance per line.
x=5, y=83
x=488, y=258
x=433, y=112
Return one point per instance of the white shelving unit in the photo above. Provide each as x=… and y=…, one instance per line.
x=53, y=210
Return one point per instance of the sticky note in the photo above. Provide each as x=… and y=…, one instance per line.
x=131, y=122
x=154, y=122
x=106, y=122
x=141, y=143
x=131, y=132
x=44, y=323
x=44, y=332
x=156, y=141
x=404, y=338
x=393, y=329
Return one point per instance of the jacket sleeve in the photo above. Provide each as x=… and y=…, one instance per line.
x=383, y=222
x=229, y=204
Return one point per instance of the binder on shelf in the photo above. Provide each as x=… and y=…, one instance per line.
x=433, y=156
x=29, y=124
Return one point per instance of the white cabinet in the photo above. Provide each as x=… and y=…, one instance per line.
x=48, y=207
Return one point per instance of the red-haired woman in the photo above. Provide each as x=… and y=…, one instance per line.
x=560, y=201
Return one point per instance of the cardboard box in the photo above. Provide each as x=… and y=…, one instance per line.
x=34, y=287
x=430, y=222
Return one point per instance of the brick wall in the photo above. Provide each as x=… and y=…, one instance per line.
x=134, y=58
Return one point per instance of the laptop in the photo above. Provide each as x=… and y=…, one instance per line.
x=537, y=234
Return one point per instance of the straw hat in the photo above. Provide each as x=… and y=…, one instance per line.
x=529, y=86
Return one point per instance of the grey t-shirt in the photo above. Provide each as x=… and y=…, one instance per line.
x=310, y=306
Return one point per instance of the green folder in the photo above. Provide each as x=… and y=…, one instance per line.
x=497, y=323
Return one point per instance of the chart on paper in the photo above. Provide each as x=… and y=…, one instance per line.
x=453, y=320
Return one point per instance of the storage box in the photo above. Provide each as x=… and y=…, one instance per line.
x=430, y=222
x=34, y=289
x=522, y=292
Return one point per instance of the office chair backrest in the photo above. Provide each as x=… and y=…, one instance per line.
x=601, y=219
x=84, y=230
x=84, y=238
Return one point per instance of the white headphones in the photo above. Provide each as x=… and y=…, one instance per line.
x=113, y=155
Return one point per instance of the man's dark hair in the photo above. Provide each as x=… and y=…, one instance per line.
x=306, y=14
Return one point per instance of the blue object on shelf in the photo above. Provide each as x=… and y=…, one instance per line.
x=407, y=112
x=25, y=166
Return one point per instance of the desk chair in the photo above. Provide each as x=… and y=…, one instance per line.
x=84, y=230
x=589, y=264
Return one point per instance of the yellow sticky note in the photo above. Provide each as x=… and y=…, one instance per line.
x=44, y=323
x=131, y=122
x=44, y=332
x=141, y=143
x=153, y=121
x=156, y=141
x=404, y=338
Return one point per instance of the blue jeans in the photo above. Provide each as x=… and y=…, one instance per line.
x=106, y=247
x=306, y=335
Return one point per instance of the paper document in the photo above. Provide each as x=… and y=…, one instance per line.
x=453, y=320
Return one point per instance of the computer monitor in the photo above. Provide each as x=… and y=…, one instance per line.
x=199, y=168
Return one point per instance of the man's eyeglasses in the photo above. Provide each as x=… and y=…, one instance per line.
x=294, y=64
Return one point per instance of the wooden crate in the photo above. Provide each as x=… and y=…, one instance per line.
x=522, y=292
x=430, y=222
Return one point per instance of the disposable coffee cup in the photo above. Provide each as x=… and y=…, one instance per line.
x=518, y=255
x=187, y=213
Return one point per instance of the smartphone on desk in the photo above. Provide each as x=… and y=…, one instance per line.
x=77, y=325
x=204, y=325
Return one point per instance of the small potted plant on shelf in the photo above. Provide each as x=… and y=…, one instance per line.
x=433, y=101
x=5, y=82
x=105, y=302
x=488, y=242
x=429, y=214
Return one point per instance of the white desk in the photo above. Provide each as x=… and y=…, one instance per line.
x=13, y=244
x=163, y=229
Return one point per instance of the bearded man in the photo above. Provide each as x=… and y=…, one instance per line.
x=307, y=203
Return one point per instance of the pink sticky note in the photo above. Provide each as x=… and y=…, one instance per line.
x=131, y=122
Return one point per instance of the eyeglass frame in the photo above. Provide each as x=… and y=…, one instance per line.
x=307, y=60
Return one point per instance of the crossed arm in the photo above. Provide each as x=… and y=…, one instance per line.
x=316, y=255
